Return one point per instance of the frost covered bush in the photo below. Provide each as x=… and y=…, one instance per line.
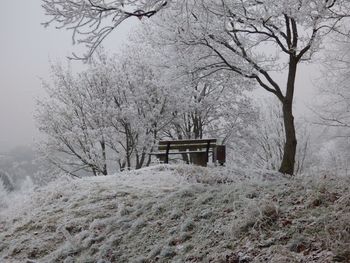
x=12, y=201
x=3, y=195
x=6, y=181
x=333, y=157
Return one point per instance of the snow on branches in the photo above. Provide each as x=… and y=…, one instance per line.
x=93, y=20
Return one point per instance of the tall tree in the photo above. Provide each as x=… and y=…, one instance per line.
x=255, y=39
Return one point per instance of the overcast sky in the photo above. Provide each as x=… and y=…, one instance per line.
x=26, y=48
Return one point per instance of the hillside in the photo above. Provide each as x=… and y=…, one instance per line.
x=182, y=214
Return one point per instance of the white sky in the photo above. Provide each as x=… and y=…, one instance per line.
x=25, y=50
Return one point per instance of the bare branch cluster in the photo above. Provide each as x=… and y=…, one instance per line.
x=93, y=20
x=249, y=27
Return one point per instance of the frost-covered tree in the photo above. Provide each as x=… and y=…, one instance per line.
x=143, y=103
x=186, y=106
x=104, y=118
x=71, y=119
x=252, y=38
x=202, y=106
x=208, y=107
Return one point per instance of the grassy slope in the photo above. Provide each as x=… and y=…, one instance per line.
x=182, y=214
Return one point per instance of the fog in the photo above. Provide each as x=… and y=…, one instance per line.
x=26, y=49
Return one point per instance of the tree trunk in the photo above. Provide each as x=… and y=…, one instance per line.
x=288, y=161
x=104, y=158
x=140, y=159
x=289, y=152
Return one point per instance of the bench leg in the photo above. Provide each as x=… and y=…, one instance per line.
x=167, y=153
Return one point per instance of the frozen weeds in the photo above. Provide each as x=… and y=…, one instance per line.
x=180, y=213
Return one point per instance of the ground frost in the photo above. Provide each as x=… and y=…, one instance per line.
x=182, y=214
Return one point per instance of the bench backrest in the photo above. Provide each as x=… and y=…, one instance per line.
x=190, y=144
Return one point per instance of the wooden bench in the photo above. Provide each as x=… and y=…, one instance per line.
x=196, y=150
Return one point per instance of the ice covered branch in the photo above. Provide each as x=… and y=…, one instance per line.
x=93, y=20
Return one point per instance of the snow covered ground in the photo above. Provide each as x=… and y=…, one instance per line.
x=181, y=213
